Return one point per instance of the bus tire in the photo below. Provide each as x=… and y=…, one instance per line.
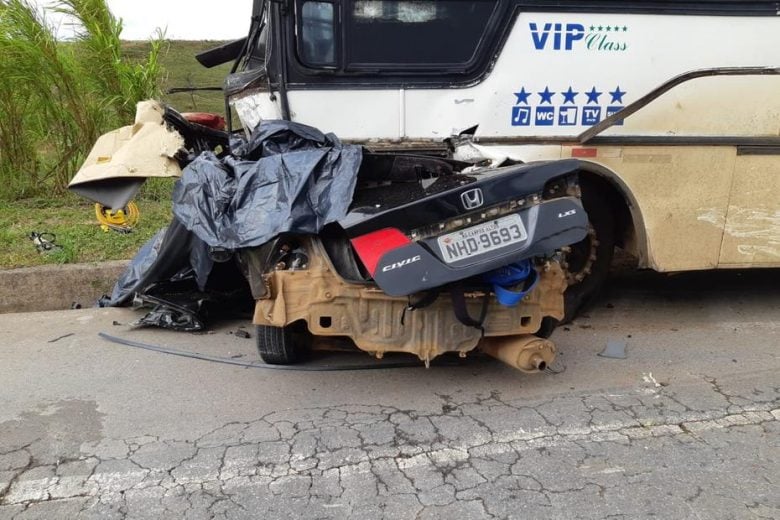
x=587, y=264
x=276, y=345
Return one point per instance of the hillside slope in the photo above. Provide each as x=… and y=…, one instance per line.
x=183, y=70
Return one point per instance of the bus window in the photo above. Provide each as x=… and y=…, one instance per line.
x=317, y=44
x=442, y=33
x=406, y=12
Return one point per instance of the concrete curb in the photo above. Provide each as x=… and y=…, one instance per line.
x=57, y=287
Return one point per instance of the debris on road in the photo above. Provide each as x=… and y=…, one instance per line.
x=44, y=242
x=614, y=350
x=241, y=333
x=55, y=340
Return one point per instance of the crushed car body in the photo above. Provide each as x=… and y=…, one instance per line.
x=426, y=326
x=121, y=160
x=397, y=252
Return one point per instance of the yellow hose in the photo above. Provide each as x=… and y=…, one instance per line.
x=120, y=220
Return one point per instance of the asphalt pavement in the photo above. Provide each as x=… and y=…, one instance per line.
x=686, y=426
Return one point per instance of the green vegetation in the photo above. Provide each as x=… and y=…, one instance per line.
x=181, y=70
x=56, y=99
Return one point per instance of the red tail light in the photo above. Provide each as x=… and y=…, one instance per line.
x=372, y=246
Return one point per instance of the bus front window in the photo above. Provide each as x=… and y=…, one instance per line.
x=317, y=34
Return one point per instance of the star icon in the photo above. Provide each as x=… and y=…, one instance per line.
x=569, y=95
x=601, y=28
x=593, y=96
x=625, y=29
x=617, y=28
x=546, y=96
x=522, y=96
x=617, y=95
x=609, y=28
x=592, y=28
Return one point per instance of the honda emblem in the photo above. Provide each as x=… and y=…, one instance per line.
x=472, y=199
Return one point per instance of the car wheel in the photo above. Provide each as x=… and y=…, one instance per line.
x=587, y=262
x=278, y=346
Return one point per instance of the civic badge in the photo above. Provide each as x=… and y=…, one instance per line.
x=472, y=199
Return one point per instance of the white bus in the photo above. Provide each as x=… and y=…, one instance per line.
x=672, y=107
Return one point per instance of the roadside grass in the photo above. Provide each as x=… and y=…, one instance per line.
x=73, y=221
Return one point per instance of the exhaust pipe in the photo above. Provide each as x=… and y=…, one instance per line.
x=527, y=353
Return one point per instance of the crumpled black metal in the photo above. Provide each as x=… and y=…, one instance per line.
x=287, y=177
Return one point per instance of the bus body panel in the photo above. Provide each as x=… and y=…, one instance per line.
x=671, y=204
x=527, y=92
x=752, y=222
x=509, y=100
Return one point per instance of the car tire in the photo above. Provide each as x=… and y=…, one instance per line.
x=587, y=274
x=277, y=346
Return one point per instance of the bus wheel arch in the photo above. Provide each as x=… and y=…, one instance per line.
x=630, y=226
x=615, y=220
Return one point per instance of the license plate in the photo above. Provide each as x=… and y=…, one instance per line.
x=482, y=238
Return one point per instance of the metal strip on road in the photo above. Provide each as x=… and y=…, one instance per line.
x=376, y=365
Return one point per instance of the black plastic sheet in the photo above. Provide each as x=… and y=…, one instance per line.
x=287, y=177
x=176, y=276
x=172, y=254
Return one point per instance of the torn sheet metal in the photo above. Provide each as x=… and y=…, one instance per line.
x=122, y=159
x=287, y=177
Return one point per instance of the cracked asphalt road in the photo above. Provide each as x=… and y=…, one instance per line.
x=687, y=427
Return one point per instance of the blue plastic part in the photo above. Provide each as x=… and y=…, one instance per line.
x=509, y=276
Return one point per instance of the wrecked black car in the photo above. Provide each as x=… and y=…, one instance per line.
x=397, y=252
